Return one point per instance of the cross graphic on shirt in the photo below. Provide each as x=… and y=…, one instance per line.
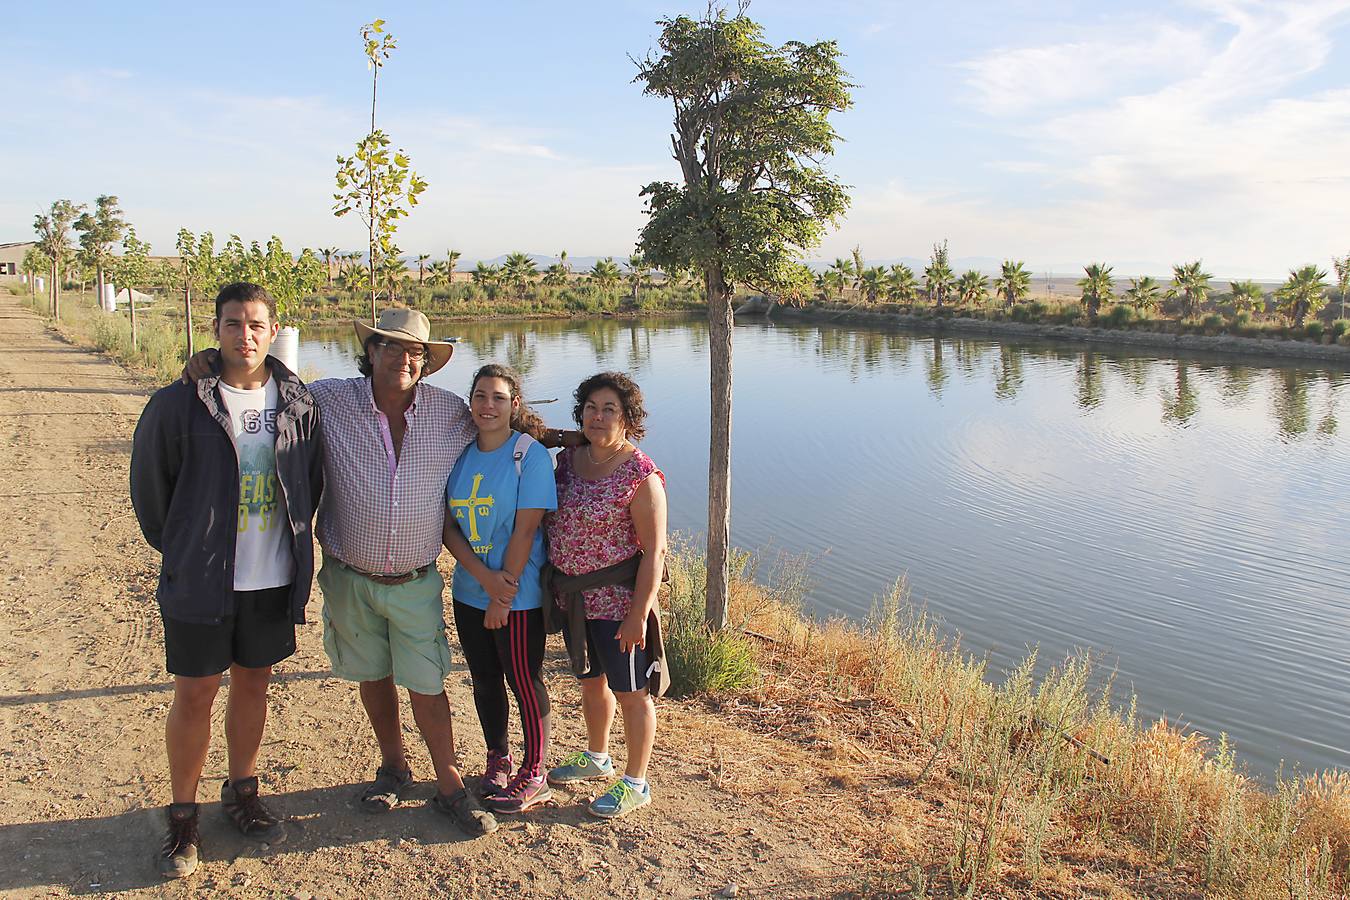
x=477, y=506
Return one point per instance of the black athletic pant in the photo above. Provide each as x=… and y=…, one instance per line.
x=513, y=654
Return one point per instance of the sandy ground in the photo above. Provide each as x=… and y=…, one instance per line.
x=83, y=697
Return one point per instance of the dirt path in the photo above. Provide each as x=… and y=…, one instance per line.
x=83, y=695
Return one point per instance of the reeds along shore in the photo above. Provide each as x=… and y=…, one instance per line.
x=1031, y=775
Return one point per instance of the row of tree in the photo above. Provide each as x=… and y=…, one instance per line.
x=1303, y=294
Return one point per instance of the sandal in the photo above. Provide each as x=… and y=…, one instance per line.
x=465, y=810
x=384, y=793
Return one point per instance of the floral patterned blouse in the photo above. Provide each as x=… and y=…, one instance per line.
x=593, y=528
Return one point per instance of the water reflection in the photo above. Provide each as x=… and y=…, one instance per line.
x=1008, y=374
x=1089, y=381
x=1180, y=402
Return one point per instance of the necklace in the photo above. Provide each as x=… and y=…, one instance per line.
x=597, y=464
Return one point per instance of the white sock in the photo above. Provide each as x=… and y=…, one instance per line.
x=600, y=759
x=637, y=784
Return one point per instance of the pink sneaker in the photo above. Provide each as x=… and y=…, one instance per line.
x=496, y=776
x=523, y=792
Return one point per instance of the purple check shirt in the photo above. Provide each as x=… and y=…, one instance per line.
x=376, y=517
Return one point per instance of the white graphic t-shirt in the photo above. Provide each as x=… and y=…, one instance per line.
x=262, y=550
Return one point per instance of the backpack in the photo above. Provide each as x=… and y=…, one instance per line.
x=523, y=442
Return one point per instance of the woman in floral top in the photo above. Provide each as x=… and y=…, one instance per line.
x=611, y=504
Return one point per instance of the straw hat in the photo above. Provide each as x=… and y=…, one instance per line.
x=408, y=325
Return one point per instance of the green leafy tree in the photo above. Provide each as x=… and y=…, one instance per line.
x=35, y=262
x=310, y=273
x=53, y=231
x=1248, y=296
x=901, y=285
x=1096, y=288
x=1191, y=284
x=972, y=287
x=376, y=182
x=187, y=254
x=1013, y=283
x=939, y=279
x=130, y=271
x=1143, y=293
x=751, y=125
x=205, y=264
x=99, y=231
x=1302, y=295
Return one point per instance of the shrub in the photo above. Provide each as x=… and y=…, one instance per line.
x=1119, y=316
x=1314, y=330
x=1242, y=321
x=1212, y=322
x=702, y=661
x=1340, y=328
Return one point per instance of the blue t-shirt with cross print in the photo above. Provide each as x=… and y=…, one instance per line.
x=482, y=496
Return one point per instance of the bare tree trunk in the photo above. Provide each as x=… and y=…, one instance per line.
x=51, y=292
x=131, y=305
x=187, y=316
x=719, y=447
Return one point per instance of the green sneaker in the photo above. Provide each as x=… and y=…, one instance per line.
x=620, y=800
x=579, y=767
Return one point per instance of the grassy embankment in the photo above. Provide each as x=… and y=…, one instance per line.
x=1025, y=785
x=1219, y=318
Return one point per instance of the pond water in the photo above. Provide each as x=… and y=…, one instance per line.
x=1184, y=518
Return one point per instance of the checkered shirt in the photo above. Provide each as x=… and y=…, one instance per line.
x=369, y=519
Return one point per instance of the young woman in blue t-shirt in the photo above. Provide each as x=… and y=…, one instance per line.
x=497, y=495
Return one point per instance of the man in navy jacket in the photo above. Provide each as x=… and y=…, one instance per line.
x=225, y=478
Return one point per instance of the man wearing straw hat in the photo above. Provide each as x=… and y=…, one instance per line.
x=390, y=443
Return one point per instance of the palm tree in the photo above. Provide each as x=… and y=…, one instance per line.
x=518, y=271
x=555, y=275
x=1303, y=295
x=858, y=267
x=901, y=284
x=1144, y=293
x=562, y=261
x=451, y=259
x=872, y=282
x=1096, y=288
x=605, y=273
x=422, y=266
x=328, y=253
x=486, y=275
x=939, y=280
x=638, y=270
x=1342, y=267
x=973, y=287
x=1193, y=285
x=1248, y=296
x=841, y=273
x=1013, y=283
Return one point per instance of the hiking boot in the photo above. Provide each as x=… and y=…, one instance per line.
x=178, y=857
x=464, y=809
x=579, y=767
x=239, y=800
x=496, y=775
x=620, y=800
x=384, y=793
x=524, y=791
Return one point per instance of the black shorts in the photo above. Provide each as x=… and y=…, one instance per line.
x=624, y=671
x=259, y=634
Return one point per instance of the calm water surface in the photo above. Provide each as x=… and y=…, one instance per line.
x=1183, y=518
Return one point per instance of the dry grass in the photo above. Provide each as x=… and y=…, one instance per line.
x=1033, y=785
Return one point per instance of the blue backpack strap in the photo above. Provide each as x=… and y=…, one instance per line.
x=523, y=442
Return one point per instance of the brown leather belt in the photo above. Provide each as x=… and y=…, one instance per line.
x=391, y=580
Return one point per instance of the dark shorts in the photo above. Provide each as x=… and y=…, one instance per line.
x=259, y=634
x=624, y=671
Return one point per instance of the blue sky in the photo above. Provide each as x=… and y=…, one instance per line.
x=1139, y=134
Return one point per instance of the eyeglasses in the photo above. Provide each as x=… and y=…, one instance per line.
x=416, y=352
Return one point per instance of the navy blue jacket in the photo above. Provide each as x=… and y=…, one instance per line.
x=185, y=490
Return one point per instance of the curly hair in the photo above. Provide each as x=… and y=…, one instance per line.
x=630, y=398
x=524, y=419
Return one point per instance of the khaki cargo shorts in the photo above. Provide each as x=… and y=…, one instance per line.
x=372, y=631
